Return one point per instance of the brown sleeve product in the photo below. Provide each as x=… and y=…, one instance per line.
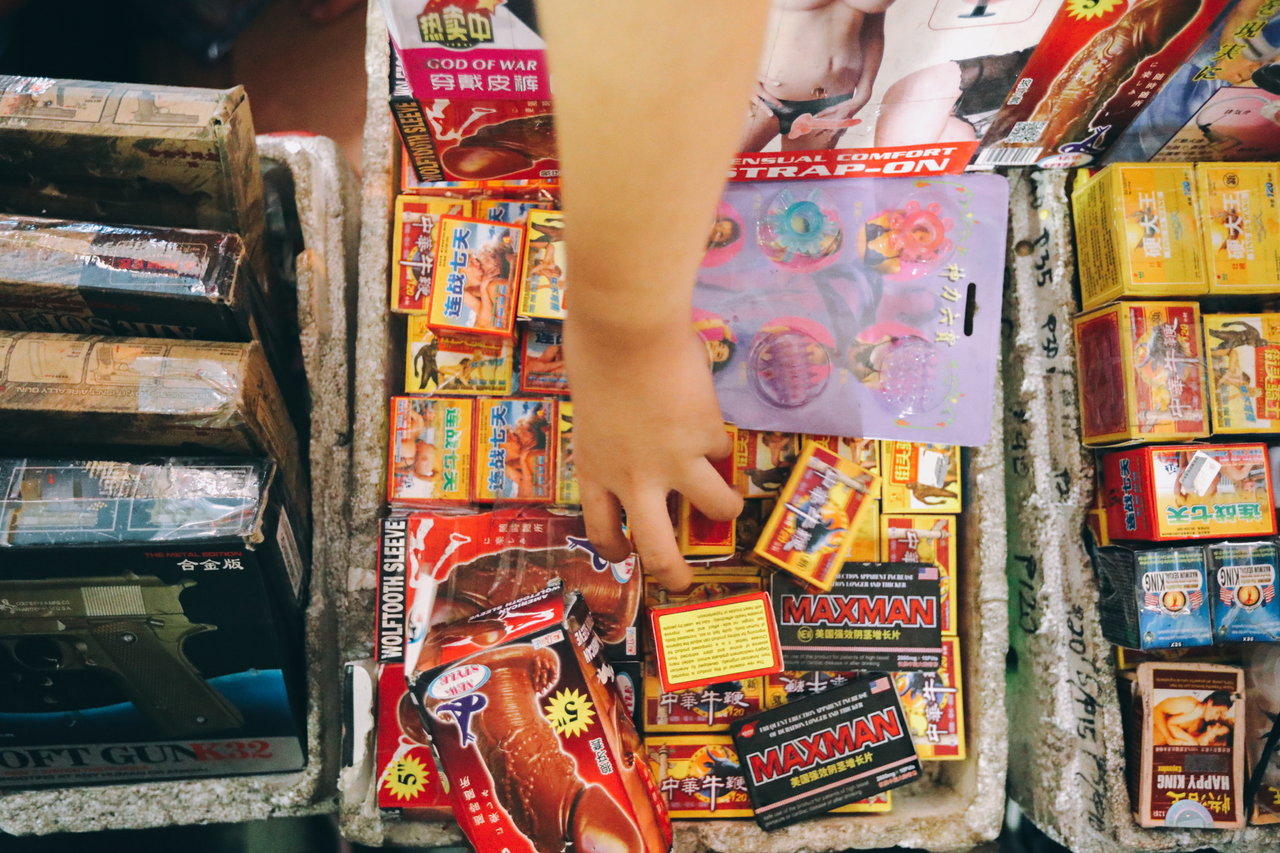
x=503, y=148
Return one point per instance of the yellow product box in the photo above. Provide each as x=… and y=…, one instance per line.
x=710, y=581
x=925, y=539
x=699, y=776
x=921, y=478
x=782, y=687
x=476, y=276
x=429, y=460
x=708, y=643
x=415, y=239
x=1141, y=375
x=1096, y=521
x=567, y=493
x=864, y=452
x=698, y=709
x=1240, y=216
x=698, y=535
x=764, y=461
x=933, y=704
x=1137, y=233
x=542, y=291
x=456, y=364
x=515, y=451
x=1243, y=351
x=511, y=211
x=866, y=535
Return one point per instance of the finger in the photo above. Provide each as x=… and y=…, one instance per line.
x=721, y=444
x=603, y=519
x=655, y=540
x=713, y=497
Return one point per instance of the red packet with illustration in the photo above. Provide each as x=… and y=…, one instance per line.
x=409, y=783
x=697, y=535
x=933, y=704
x=429, y=460
x=515, y=451
x=925, y=539
x=416, y=238
x=456, y=364
x=809, y=532
x=476, y=276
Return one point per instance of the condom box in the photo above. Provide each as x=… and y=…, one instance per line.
x=1241, y=219
x=1243, y=352
x=1186, y=744
x=877, y=616
x=515, y=451
x=415, y=241
x=476, y=276
x=821, y=752
x=1137, y=233
x=696, y=534
x=1242, y=580
x=544, y=279
x=453, y=364
x=1142, y=375
x=429, y=459
x=1191, y=491
x=409, y=783
x=1154, y=598
x=542, y=360
x=921, y=478
x=925, y=539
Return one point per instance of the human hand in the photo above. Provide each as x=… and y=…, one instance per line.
x=646, y=421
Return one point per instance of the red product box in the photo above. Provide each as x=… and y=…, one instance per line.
x=515, y=451
x=698, y=535
x=476, y=276
x=536, y=742
x=488, y=140
x=415, y=241
x=701, y=709
x=925, y=539
x=409, y=783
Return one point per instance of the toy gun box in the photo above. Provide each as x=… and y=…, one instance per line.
x=132, y=154
x=64, y=392
x=158, y=661
x=67, y=507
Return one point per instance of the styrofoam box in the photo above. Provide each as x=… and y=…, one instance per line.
x=957, y=806
x=1066, y=743
x=325, y=188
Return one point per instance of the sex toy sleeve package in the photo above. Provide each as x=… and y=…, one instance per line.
x=868, y=308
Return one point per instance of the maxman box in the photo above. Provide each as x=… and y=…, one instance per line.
x=1191, y=491
x=166, y=660
x=1243, y=353
x=1186, y=745
x=824, y=751
x=1154, y=598
x=1240, y=216
x=539, y=750
x=408, y=781
x=1137, y=233
x=1142, y=375
x=1242, y=576
x=877, y=616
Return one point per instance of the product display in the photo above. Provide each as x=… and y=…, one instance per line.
x=1243, y=356
x=451, y=363
x=1241, y=219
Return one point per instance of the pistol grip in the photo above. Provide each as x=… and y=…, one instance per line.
x=161, y=682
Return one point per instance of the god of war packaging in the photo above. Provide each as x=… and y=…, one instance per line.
x=439, y=568
x=1242, y=576
x=877, y=616
x=1138, y=234
x=1243, y=351
x=765, y=461
x=711, y=642
x=456, y=364
x=544, y=282
x=1186, y=746
x=158, y=661
x=699, y=775
x=1193, y=491
x=429, y=460
x=925, y=539
x=921, y=478
x=63, y=506
x=696, y=534
x=409, y=783
x=808, y=533
x=1154, y=598
x=542, y=360
x=933, y=705
x=1240, y=215
x=1262, y=713
x=476, y=276
x=540, y=752
x=817, y=753
x=134, y=155
x=416, y=239
x=515, y=451
x=79, y=391
x=1142, y=377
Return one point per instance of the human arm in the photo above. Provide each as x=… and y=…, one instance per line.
x=650, y=102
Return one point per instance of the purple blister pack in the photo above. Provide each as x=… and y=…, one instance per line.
x=867, y=307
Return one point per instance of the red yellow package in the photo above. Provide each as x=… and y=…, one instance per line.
x=702, y=709
x=1240, y=215
x=510, y=211
x=696, y=534
x=764, y=461
x=711, y=642
x=409, y=782
x=515, y=451
x=416, y=239
x=542, y=359
x=699, y=776
x=1244, y=372
x=456, y=364
x=543, y=282
x=921, y=478
x=429, y=460
x=933, y=704
x=567, y=493
x=476, y=276
x=925, y=539
x=808, y=533
x=1141, y=373
x=864, y=452
x=866, y=535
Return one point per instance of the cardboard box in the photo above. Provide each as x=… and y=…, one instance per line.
x=456, y=364
x=133, y=155
x=515, y=451
x=1191, y=491
x=1243, y=352
x=699, y=776
x=1155, y=598
x=1142, y=376
x=1241, y=220
x=408, y=781
x=429, y=457
x=544, y=281
x=925, y=539
x=416, y=236
x=1242, y=578
x=921, y=478
x=542, y=360
x=1137, y=233
x=476, y=277
x=1186, y=746
x=534, y=667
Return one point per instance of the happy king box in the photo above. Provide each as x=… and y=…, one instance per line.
x=1242, y=576
x=925, y=539
x=1154, y=598
x=454, y=364
x=1141, y=373
x=515, y=450
x=1191, y=491
x=429, y=458
x=538, y=746
x=1241, y=220
x=1137, y=233
x=476, y=276
x=1243, y=351
x=416, y=237
x=921, y=478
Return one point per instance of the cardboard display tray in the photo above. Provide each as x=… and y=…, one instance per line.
x=957, y=807
x=325, y=189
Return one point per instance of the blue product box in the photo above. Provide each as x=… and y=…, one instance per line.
x=1245, y=608
x=1154, y=598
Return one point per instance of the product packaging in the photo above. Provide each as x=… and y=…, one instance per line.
x=765, y=461
x=567, y=493
x=542, y=360
x=1240, y=216
x=699, y=776
x=1156, y=598
x=921, y=478
x=454, y=364
x=698, y=709
x=1242, y=577
x=933, y=705
x=711, y=642
x=476, y=276
x=515, y=451
x=925, y=539
x=416, y=240
x=409, y=783
x=543, y=283
x=1243, y=352
x=1261, y=662
x=429, y=459
x=696, y=534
